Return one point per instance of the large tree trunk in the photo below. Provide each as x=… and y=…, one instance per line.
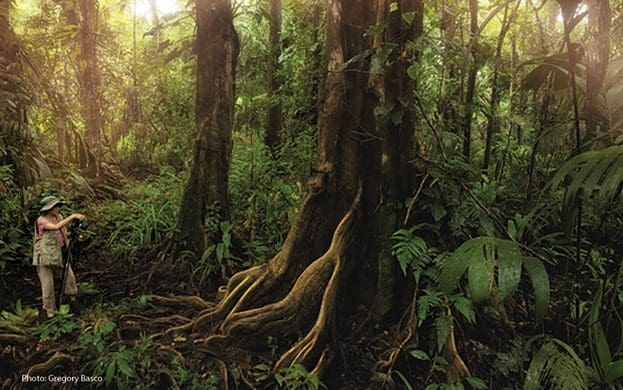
x=90, y=83
x=273, y=125
x=217, y=54
x=14, y=141
x=325, y=276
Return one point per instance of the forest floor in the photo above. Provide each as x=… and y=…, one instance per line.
x=138, y=350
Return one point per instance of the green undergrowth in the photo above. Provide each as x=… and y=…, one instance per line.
x=130, y=226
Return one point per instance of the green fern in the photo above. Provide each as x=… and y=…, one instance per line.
x=464, y=306
x=555, y=366
x=443, y=327
x=479, y=257
x=411, y=251
x=428, y=301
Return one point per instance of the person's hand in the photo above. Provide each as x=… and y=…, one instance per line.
x=81, y=217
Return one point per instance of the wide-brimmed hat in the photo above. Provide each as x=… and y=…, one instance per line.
x=49, y=202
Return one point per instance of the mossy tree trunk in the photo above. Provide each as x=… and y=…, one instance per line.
x=217, y=53
x=325, y=277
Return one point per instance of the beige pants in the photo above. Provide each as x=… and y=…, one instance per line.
x=46, y=277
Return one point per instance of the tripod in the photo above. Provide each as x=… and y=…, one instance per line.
x=72, y=251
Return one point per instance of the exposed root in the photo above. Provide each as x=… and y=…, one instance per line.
x=236, y=288
x=241, y=288
x=262, y=320
x=46, y=367
x=11, y=328
x=172, y=383
x=244, y=380
x=314, y=349
x=323, y=362
x=173, y=352
x=176, y=301
x=175, y=318
x=386, y=366
x=456, y=369
x=7, y=338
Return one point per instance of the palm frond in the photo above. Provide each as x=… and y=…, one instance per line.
x=479, y=257
x=592, y=173
x=555, y=366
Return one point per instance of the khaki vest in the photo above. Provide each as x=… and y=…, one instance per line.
x=46, y=251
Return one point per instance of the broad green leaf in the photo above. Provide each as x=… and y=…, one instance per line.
x=124, y=367
x=419, y=354
x=598, y=341
x=614, y=371
x=469, y=252
x=509, y=272
x=540, y=282
x=412, y=71
x=408, y=17
x=110, y=372
x=480, y=275
x=476, y=383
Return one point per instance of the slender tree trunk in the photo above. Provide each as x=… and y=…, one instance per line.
x=217, y=54
x=273, y=126
x=90, y=82
x=598, y=50
x=471, y=79
x=493, y=122
x=447, y=104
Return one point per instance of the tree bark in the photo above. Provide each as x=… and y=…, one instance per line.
x=273, y=125
x=333, y=246
x=12, y=103
x=90, y=83
x=217, y=53
x=447, y=104
x=471, y=79
x=395, y=89
x=598, y=50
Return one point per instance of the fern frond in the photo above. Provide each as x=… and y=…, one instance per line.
x=425, y=303
x=464, y=306
x=411, y=251
x=443, y=327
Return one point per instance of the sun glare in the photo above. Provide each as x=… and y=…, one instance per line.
x=143, y=9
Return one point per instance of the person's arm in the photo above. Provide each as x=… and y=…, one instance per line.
x=59, y=225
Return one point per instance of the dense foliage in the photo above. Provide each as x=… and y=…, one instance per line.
x=515, y=247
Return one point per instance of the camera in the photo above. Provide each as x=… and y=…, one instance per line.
x=78, y=224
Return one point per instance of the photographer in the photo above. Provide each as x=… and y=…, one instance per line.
x=49, y=239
